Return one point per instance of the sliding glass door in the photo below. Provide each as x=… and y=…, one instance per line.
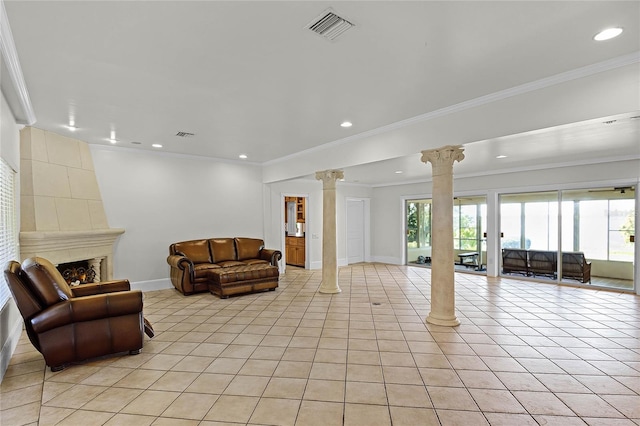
x=529, y=220
x=419, y=231
x=469, y=225
x=601, y=225
x=594, y=228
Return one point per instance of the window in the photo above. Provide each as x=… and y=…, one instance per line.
x=511, y=222
x=602, y=221
x=419, y=223
x=593, y=225
x=468, y=223
x=530, y=220
x=621, y=227
x=596, y=222
x=8, y=225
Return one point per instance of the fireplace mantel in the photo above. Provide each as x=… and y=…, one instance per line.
x=70, y=246
x=36, y=241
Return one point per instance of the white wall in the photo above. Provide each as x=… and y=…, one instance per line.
x=388, y=206
x=161, y=198
x=10, y=319
x=274, y=215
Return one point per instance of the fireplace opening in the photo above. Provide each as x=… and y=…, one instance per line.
x=76, y=273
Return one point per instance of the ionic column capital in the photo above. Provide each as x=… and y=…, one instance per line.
x=443, y=158
x=329, y=177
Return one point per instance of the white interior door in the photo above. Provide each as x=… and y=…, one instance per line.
x=355, y=231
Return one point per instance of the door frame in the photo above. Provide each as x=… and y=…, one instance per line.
x=283, y=239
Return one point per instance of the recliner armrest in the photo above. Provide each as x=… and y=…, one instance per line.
x=87, y=308
x=102, y=287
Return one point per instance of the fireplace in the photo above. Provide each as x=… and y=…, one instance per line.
x=62, y=217
x=76, y=273
x=67, y=247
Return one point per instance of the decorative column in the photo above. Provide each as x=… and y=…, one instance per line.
x=95, y=263
x=329, y=252
x=442, y=260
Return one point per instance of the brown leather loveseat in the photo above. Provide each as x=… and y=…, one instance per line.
x=74, y=324
x=223, y=266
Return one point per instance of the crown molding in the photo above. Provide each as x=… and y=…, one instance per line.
x=545, y=166
x=575, y=74
x=116, y=148
x=14, y=88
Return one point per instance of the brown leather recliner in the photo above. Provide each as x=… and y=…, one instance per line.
x=73, y=324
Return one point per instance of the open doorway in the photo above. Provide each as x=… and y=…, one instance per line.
x=295, y=232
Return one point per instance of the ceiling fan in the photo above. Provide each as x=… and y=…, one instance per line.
x=622, y=189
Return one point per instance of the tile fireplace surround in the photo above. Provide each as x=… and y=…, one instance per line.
x=62, y=217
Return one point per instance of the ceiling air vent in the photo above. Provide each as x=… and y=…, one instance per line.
x=185, y=134
x=329, y=25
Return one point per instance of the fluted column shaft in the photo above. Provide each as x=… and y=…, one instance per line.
x=442, y=259
x=329, y=239
x=95, y=263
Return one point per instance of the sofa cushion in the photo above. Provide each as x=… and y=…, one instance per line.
x=222, y=249
x=230, y=263
x=249, y=248
x=202, y=269
x=255, y=262
x=196, y=250
x=243, y=273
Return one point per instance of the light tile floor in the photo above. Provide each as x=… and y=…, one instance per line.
x=526, y=353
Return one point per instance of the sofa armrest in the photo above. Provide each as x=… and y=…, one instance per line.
x=101, y=288
x=180, y=261
x=587, y=270
x=87, y=308
x=272, y=256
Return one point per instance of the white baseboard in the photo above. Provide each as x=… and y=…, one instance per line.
x=315, y=265
x=376, y=259
x=10, y=346
x=318, y=264
x=387, y=259
x=152, y=285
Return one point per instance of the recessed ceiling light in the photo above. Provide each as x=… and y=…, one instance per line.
x=72, y=128
x=114, y=141
x=346, y=124
x=398, y=172
x=501, y=156
x=243, y=156
x=156, y=145
x=607, y=34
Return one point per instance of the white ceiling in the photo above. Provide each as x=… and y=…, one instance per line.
x=248, y=77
